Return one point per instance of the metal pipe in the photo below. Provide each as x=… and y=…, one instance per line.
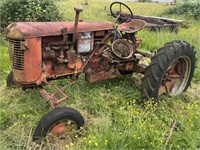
x=71, y=53
x=145, y=54
x=78, y=10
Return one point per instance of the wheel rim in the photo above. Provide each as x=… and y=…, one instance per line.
x=176, y=77
x=61, y=128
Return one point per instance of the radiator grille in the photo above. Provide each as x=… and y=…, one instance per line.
x=16, y=54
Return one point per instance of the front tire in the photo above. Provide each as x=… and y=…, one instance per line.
x=170, y=71
x=58, y=122
x=9, y=81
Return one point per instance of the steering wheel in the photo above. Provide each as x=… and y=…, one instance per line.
x=123, y=11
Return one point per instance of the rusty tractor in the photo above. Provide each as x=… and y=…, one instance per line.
x=45, y=51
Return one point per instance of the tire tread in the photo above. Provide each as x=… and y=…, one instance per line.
x=159, y=64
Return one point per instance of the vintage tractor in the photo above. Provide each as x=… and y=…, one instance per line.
x=45, y=51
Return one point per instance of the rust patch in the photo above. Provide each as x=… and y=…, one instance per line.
x=132, y=26
x=98, y=76
x=32, y=63
x=20, y=30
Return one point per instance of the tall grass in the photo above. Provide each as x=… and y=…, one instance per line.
x=4, y=60
x=115, y=118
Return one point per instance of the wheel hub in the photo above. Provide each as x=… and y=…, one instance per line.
x=63, y=127
x=175, y=77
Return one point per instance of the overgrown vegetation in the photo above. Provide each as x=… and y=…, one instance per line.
x=186, y=9
x=28, y=10
x=114, y=117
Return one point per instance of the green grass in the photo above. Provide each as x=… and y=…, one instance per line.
x=99, y=10
x=115, y=118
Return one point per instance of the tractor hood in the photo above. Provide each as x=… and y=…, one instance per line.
x=23, y=30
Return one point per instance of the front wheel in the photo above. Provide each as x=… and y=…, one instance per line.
x=9, y=80
x=170, y=71
x=58, y=123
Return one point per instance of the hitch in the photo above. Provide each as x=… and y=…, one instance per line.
x=52, y=98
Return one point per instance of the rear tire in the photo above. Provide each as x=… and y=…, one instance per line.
x=170, y=71
x=55, y=123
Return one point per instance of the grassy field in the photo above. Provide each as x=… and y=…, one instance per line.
x=115, y=118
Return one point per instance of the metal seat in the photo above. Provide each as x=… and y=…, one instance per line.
x=132, y=26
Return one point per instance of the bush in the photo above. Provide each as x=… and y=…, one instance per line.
x=188, y=9
x=28, y=10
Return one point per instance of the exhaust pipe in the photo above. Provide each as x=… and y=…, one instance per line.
x=71, y=52
x=78, y=10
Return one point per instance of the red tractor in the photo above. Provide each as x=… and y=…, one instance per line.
x=45, y=51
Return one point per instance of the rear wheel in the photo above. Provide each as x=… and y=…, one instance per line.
x=170, y=71
x=58, y=123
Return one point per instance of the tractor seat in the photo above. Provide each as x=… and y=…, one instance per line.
x=132, y=26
